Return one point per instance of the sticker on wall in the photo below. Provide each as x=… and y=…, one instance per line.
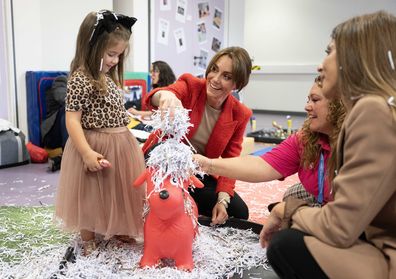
x=163, y=31
x=165, y=5
x=180, y=40
x=216, y=44
x=181, y=10
x=217, y=18
x=203, y=9
x=201, y=32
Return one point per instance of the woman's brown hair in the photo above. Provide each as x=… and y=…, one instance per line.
x=241, y=65
x=366, y=52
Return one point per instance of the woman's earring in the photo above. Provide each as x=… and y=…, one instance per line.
x=340, y=68
x=101, y=65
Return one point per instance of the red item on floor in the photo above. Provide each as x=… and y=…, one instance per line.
x=37, y=154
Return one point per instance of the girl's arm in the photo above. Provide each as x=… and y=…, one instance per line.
x=76, y=134
x=246, y=168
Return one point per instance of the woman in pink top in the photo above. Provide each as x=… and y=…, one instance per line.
x=308, y=152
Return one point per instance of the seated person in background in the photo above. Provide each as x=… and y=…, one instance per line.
x=219, y=122
x=161, y=75
x=53, y=127
x=307, y=152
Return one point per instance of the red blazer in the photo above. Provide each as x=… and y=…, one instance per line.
x=227, y=135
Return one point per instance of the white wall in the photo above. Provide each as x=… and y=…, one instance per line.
x=45, y=38
x=138, y=59
x=288, y=38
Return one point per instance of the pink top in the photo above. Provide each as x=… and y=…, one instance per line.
x=286, y=159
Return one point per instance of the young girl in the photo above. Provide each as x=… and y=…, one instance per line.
x=101, y=158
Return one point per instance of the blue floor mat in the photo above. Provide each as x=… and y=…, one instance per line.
x=261, y=151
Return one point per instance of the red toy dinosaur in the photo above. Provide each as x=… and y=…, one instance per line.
x=170, y=224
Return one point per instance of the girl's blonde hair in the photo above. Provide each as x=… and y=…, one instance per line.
x=88, y=56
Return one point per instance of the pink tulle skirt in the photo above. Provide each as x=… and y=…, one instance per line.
x=104, y=202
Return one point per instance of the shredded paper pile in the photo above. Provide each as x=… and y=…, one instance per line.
x=217, y=252
x=172, y=158
x=32, y=247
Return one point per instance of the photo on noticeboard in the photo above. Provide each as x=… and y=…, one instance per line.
x=165, y=5
x=181, y=8
x=217, y=18
x=203, y=10
x=201, y=32
x=216, y=44
x=203, y=58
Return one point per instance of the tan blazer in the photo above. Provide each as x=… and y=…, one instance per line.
x=364, y=199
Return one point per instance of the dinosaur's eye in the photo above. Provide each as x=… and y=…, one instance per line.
x=164, y=194
x=174, y=181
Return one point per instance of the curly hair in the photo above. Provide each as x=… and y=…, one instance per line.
x=309, y=138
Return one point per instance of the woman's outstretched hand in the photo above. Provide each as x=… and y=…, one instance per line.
x=204, y=162
x=168, y=101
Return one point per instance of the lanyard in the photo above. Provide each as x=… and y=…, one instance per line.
x=320, y=179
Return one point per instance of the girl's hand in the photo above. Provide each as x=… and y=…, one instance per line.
x=91, y=161
x=273, y=224
x=204, y=162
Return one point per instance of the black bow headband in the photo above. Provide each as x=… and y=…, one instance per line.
x=107, y=21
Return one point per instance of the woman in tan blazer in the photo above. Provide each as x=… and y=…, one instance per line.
x=353, y=236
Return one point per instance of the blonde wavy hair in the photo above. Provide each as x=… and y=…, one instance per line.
x=87, y=57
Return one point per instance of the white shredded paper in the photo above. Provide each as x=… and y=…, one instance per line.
x=172, y=158
x=217, y=253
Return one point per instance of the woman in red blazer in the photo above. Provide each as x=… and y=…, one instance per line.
x=219, y=122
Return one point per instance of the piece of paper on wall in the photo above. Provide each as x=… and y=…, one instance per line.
x=163, y=31
x=203, y=58
x=216, y=44
x=165, y=5
x=217, y=18
x=201, y=29
x=203, y=10
x=180, y=40
x=181, y=10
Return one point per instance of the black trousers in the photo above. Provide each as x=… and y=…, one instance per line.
x=206, y=199
x=290, y=257
x=58, y=135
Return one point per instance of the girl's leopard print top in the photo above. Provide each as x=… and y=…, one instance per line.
x=98, y=111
